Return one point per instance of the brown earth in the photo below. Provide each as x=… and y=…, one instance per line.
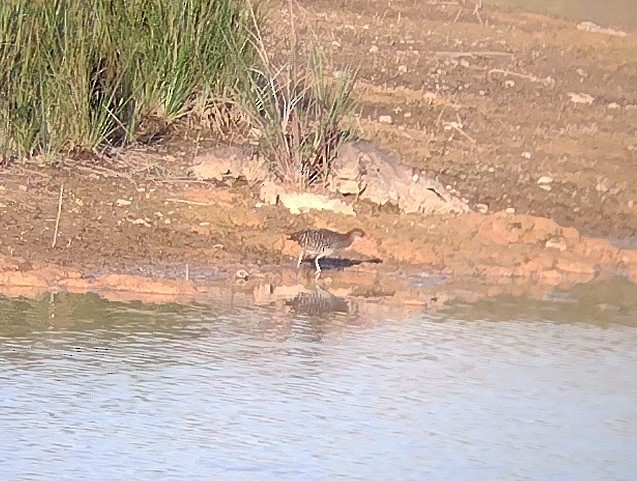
x=485, y=108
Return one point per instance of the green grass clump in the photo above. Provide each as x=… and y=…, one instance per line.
x=79, y=75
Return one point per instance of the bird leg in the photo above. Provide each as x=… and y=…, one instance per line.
x=301, y=255
x=318, y=267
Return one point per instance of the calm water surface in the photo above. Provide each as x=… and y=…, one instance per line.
x=509, y=389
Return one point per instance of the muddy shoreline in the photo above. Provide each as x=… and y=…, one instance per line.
x=408, y=260
x=508, y=143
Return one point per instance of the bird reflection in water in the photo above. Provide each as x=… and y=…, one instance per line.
x=318, y=303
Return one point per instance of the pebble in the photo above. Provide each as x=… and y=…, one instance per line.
x=581, y=98
x=510, y=210
x=402, y=69
x=385, y=119
x=123, y=202
x=553, y=244
x=242, y=274
x=526, y=155
x=482, y=208
x=545, y=180
x=140, y=221
x=373, y=49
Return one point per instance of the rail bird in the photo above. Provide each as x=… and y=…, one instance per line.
x=322, y=243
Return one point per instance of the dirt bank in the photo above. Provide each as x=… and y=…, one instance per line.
x=488, y=109
x=115, y=235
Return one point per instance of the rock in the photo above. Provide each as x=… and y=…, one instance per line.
x=382, y=179
x=299, y=202
x=349, y=186
x=230, y=162
x=373, y=49
x=269, y=193
x=509, y=210
x=594, y=28
x=482, y=208
x=558, y=244
x=385, y=119
x=140, y=221
x=545, y=180
x=242, y=274
x=123, y=203
x=580, y=98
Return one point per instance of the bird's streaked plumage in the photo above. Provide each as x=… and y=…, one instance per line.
x=322, y=243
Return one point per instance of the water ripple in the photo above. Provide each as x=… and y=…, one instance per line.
x=191, y=395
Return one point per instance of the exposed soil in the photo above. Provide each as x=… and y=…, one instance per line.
x=485, y=108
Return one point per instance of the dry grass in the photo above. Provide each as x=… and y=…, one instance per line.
x=294, y=109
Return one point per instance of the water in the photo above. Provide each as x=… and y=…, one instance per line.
x=507, y=389
x=622, y=13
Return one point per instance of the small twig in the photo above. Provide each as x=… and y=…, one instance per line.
x=187, y=273
x=99, y=170
x=190, y=202
x=454, y=125
x=457, y=14
x=189, y=180
x=35, y=172
x=57, y=219
x=438, y=120
x=473, y=54
x=476, y=11
x=546, y=82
